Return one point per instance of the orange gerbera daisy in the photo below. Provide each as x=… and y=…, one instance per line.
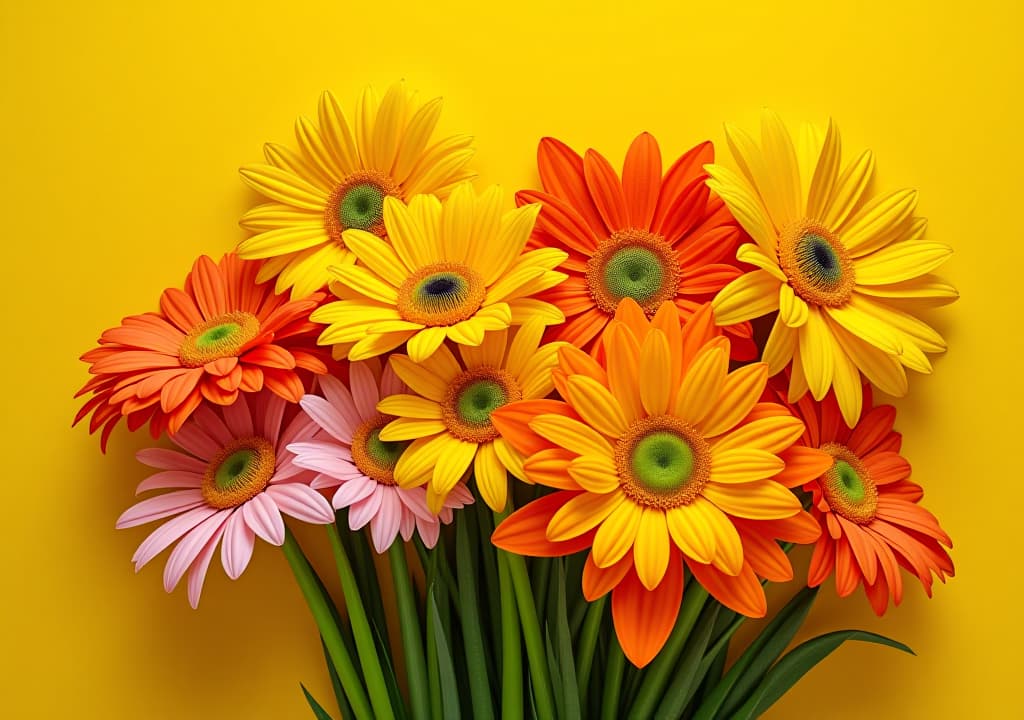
x=661, y=457
x=223, y=334
x=646, y=237
x=866, y=504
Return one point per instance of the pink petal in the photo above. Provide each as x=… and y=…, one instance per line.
x=238, y=418
x=158, y=507
x=429, y=531
x=353, y=491
x=390, y=383
x=193, y=438
x=236, y=548
x=340, y=397
x=384, y=526
x=324, y=482
x=212, y=424
x=301, y=502
x=164, y=459
x=329, y=418
x=301, y=427
x=415, y=499
x=324, y=458
x=362, y=512
x=262, y=515
x=167, y=533
x=189, y=547
x=170, y=479
x=408, y=526
x=365, y=394
x=268, y=411
x=459, y=497
x=197, y=573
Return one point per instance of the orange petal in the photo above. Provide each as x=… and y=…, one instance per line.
x=606, y=190
x=513, y=422
x=644, y=618
x=803, y=464
x=742, y=593
x=641, y=179
x=560, y=220
x=561, y=174
x=524, y=532
x=550, y=467
x=598, y=581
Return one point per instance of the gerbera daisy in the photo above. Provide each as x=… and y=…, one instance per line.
x=660, y=457
x=222, y=335
x=453, y=271
x=339, y=180
x=448, y=417
x=867, y=506
x=231, y=484
x=645, y=237
x=349, y=455
x=833, y=261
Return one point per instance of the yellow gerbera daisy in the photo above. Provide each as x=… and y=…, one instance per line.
x=449, y=417
x=834, y=261
x=339, y=180
x=446, y=271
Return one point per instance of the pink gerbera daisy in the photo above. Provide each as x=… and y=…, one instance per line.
x=348, y=453
x=232, y=483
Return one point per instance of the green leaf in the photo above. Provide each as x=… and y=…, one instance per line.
x=472, y=633
x=412, y=638
x=446, y=668
x=687, y=669
x=339, y=692
x=613, y=680
x=318, y=710
x=795, y=664
x=748, y=671
x=566, y=664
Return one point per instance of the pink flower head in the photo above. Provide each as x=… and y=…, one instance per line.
x=348, y=453
x=232, y=483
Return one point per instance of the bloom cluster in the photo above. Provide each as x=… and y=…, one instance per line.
x=392, y=342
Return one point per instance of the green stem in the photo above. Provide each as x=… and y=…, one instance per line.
x=657, y=676
x=587, y=644
x=536, y=655
x=613, y=681
x=321, y=608
x=511, y=647
x=366, y=647
x=412, y=639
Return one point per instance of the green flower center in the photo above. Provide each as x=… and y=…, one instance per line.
x=376, y=458
x=232, y=470
x=847, y=486
x=850, y=481
x=361, y=207
x=358, y=204
x=222, y=336
x=217, y=334
x=385, y=453
x=239, y=472
x=636, y=264
x=471, y=398
x=479, y=399
x=634, y=272
x=662, y=461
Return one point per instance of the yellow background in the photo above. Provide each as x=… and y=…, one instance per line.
x=122, y=127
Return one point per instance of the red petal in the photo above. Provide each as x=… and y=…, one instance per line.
x=641, y=180
x=561, y=174
x=606, y=190
x=872, y=429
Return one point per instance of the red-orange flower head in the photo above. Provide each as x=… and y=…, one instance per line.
x=872, y=524
x=223, y=334
x=661, y=458
x=650, y=238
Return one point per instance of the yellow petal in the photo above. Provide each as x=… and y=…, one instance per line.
x=491, y=478
x=271, y=216
x=485, y=226
x=761, y=500
x=282, y=241
x=406, y=229
x=571, y=435
x=743, y=465
x=443, y=363
x=338, y=133
x=914, y=331
x=816, y=354
x=284, y=187
x=594, y=474
x=374, y=345
x=467, y=332
x=282, y=157
x=728, y=546
x=781, y=162
x=425, y=343
x=848, y=190
x=415, y=138
x=314, y=147
x=364, y=282
x=422, y=381
x=411, y=406
x=690, y=530
x=797, y=380
x=377, y=255
x=411, y=428
x=452, y=465
x=524, y=345
x=651, y=550
x=550, y=467
x=489, y=353
x=523, y=309
x=750, y=253
x=457, y=224
x=745, y=205
x=826, y=172
x=854, y=317
x=582, y=514
x=616, y=535
x=900, y=261
x=740, y=392
x=535, y=380
x=516, y=226
x=927, y=290
x=779, y=348
x=771, y=434
x=792, y=309
x=702, y=384
x=876, y=218
x=749, y=296
x=366, y=117
x=596, y=405
x=417, y=462
x=507, y=285
x=441, y=167
x=847, y=385
x=656, y=381
x=509, y=457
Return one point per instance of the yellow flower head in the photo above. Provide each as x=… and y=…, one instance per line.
x=451, y=271
x=338, y=180
x=833, y=261
x=448, y=417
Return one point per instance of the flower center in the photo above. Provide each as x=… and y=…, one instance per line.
x=635, y=264
x=239, y=472
x=472, y=397
x=817, y=264
x=375, y=458
x=441, y=294
x=223, y=336
x=662, y=462
x=847, y=486
x=358, y=203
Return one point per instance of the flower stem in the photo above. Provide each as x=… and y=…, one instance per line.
x=588, y=642
x=613, y=680
x=412, y=639
x=511, y=647
x=365, y=645
x=320, y=606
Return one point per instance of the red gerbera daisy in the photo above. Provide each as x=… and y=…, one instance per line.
x=872, y=524
x=223, y=334
x=647, y=237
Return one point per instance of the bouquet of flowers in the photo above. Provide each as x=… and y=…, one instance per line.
x=557, y=420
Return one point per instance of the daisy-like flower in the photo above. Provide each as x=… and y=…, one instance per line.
x=449, y=416
x=833, y=261
x=646, y=237
x=231, y=484
x=872, y=524
x=454, y=271
x=223, y=335
x=349, y=455
x=661, y=457
x=338, y=181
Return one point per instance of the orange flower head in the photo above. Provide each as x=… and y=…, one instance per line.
x=868, y=508
x=222, y=335
x=661, y=458
x=650, y=238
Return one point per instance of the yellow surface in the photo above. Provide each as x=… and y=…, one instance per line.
x=122, y=128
